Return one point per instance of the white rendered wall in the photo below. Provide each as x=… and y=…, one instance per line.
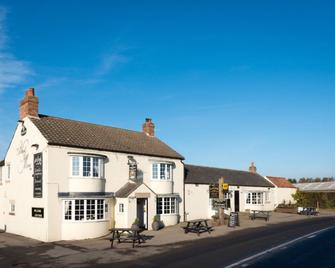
x=284, y=195
x=20, y=187
x=197, y=201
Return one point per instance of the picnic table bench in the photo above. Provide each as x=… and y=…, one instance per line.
x=132, y=235
x=308, y=211
x=261, y=214
x=197, y=226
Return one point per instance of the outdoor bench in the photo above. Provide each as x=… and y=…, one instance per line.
x=197, y=226
x=260, y=214
x=132, y=235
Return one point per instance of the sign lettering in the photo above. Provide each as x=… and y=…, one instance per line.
x=38, y=175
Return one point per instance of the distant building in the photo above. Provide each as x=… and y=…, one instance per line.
x=283, y=190
x=316, y=187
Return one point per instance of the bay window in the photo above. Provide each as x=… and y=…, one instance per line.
x=87, y=166
x=166, y=205
x=161, y=171
x=84, y=210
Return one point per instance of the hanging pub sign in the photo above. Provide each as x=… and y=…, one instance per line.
x=216, y=203
x=37, y=212
x=214, y=191
x=38, y=175
x=132, y=168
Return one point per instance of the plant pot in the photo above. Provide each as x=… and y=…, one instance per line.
x=155, y=225
x=135, y=226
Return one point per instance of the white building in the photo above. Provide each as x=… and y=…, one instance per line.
x=283, y=191
x=247, y=191
x=63, y=179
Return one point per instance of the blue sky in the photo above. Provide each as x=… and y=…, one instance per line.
x=226, y=82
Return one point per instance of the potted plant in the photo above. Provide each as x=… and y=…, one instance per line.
x=136, y=224
x=156, y=223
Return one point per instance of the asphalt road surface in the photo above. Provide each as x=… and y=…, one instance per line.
x=313, y=251
x=316, y=251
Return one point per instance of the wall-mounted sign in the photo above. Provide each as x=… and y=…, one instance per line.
x=38, y=175
x=225, y=186
x=216, y=203
x=37, y=212
x=132, y=168
x=214, y=191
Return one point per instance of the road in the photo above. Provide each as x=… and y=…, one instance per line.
x=316, y=251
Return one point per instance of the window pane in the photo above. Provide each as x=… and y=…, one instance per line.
x=159, y=206
x=90, y=210
x=173, y=205
x=86, y=166
x=169, y=167
x=68, y=210
x=167, y=205
x=154, y=171
x=100, y=210
x=79, y=210
x=162, y=171
x=75, y=165
x=96, y=168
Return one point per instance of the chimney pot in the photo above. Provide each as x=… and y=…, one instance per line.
x=30, y=92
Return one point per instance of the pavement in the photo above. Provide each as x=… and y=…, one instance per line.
x=163, y=248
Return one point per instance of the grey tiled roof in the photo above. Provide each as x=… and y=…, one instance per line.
x=70, y=133
x=210, y=175
x=127, y=189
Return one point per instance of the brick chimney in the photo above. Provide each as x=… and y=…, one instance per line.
x=149, y=127
x=29, y=104
x=253, y=168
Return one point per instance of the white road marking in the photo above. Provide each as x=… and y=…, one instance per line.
x=311, y=235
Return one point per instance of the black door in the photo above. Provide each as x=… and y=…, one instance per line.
x=237, y=201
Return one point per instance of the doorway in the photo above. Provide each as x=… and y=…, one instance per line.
x=142, y=212
x=237, y=201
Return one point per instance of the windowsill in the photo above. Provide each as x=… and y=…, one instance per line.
x=84, y=178
x=160, y=180
x=95, y=221
x=11, y=213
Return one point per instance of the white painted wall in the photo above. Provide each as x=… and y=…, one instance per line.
x=56, y=178
x=284, y=195
x=19, y=188
x=198, y=204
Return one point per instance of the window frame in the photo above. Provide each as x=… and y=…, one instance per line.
x=255, y=198
x=99, y=213
x=167, y=171
x=8, y=172
x=92, y=170
x=166, y=205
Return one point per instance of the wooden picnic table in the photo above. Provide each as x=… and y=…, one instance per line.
x=132, y=235
x=259, y=214
x=197, y=226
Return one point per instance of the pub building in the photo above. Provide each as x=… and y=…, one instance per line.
x=63, y=179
